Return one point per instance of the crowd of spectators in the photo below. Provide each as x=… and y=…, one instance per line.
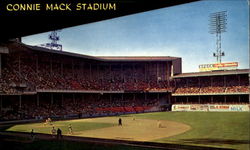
x=28, y=74
x=51, y=75
x=219, y=84
x=79, y=108
x=25, y=73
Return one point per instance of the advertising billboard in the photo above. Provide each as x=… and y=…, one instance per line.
x=218, y=66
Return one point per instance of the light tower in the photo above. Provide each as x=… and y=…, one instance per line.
x=54, y=39
x=217, y=26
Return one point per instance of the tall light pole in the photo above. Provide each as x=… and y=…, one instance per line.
x=54, y=39
x=217, y=26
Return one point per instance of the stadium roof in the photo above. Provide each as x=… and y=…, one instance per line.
x=42, y=49
x=137, y=58
x=99, y=58
x=212, y=73
x=44, y=21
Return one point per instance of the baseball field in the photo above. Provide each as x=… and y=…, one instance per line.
x=213, y=129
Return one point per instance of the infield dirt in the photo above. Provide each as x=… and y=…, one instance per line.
x=134, y=129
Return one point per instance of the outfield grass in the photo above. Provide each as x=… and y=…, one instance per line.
x=216, y=129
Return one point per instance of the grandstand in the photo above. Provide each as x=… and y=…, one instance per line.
x=222, y=87
x=62, y=84
x=38, y=83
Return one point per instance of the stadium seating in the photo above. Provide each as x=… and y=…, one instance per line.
x=47, y=75
x=214, y=85
x=88, y=107
x=29, y=73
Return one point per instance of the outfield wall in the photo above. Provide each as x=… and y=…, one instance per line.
x=210, y=107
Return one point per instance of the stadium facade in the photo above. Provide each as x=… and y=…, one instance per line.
x=37, y=82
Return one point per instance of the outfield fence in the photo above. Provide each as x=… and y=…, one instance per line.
x=211, y=107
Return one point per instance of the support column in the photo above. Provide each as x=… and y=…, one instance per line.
x=37, y=64
x=62, y=100
x=103, y=72
x=51, y=98
x=199, y=99
x=187, y=99
x=51, y=65
x=19, y=63
x=98, y=72
x=166, y=77
x=20, y=101
x=82, y=97
x=1, y=102
x=212, y=99
x=110, y=74
x=157, y=72
x=0, y=65
x=199, y=80
x=133, y=74
x=124, y=76
x=224, y=83
x=175, y=85
x=162, y=71
x=74, y=100
x=62, y=69
x=122, y=73
x=239, y=98
x=90, y=74
x=238, y=80
x=72, y=67
x=166, y=74
x=82, y=69
x=37, y=100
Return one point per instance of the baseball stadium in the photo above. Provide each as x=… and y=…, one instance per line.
x=52, y=99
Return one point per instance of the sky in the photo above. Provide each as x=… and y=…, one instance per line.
x=179, y=31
